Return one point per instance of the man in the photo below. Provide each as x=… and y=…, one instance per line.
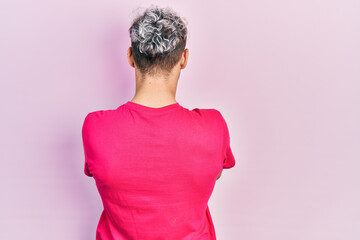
x=155, y=162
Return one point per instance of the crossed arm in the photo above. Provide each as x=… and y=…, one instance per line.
x=219, y=174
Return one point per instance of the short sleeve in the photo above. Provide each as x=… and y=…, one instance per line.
x=228, y=157
x=86, y=144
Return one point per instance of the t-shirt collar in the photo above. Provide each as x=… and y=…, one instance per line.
x=141, y=107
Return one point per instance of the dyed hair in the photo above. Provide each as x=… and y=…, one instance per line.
x=158, y=38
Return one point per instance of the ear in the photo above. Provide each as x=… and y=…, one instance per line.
x=130, y=57
x=184, y=58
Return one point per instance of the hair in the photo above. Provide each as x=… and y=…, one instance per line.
x=158, y=38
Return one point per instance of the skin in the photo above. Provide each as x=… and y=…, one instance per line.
x=159, y=89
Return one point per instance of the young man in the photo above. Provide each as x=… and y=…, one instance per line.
x=154, y=161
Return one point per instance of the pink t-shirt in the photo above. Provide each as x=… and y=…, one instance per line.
x=155, y=169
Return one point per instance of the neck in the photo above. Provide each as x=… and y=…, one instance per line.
x=156, y=90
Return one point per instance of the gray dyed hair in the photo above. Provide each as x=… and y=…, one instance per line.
x=158, y=38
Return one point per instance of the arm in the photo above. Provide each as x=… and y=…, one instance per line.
x=219, y=174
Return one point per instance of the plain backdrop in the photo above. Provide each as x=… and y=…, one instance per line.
x=285, y=75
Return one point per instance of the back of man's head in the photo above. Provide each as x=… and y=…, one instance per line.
x=158, y=38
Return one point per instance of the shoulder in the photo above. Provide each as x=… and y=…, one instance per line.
x=210, y=114
x=206, y=111
x=95, y=117
x=99, y=114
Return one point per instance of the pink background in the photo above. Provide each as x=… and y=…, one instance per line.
x=285, y=75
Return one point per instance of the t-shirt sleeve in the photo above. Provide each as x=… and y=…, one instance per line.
x=86, y=134
x=228, y=157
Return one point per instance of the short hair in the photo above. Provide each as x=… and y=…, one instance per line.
x=158, y=38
